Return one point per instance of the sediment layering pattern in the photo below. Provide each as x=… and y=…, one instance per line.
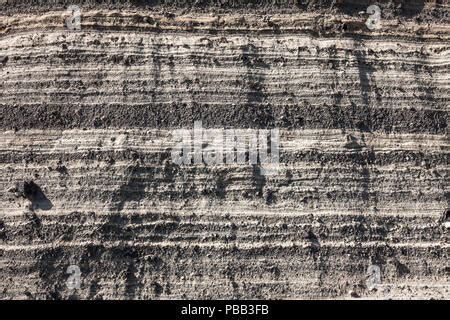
x=87, y=120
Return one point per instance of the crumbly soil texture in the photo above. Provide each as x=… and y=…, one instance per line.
x=359, y=205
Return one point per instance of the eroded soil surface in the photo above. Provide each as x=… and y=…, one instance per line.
x=87, y=120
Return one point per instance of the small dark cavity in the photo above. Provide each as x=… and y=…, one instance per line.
x=34, y=193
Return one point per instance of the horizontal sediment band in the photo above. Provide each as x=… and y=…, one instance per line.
x=237, y=117
x=87, y=125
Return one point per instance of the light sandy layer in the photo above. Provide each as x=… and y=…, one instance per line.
x=87, y=120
